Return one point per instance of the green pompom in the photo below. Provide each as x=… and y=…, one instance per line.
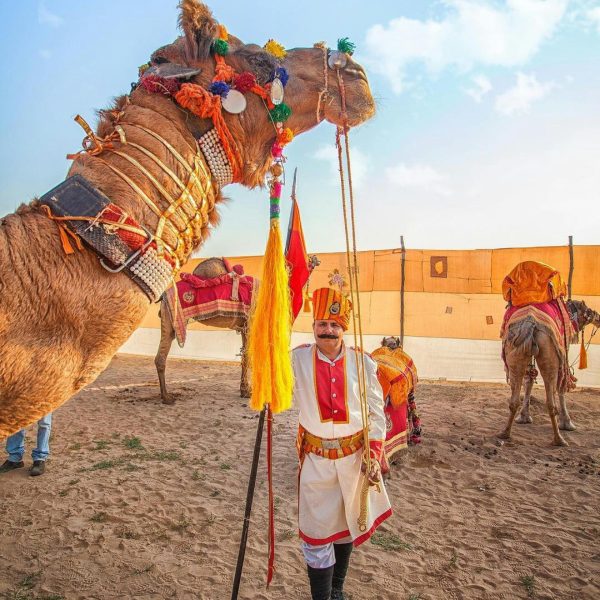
x=280, y=113
x=220, y=47
x=345, y=45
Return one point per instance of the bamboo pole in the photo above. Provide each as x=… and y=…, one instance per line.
x=402, y=278
x=571, y=266
x=249, y=498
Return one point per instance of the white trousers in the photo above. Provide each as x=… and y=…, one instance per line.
x=323, y=556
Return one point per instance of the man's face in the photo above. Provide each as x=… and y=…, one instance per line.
x=328, y=334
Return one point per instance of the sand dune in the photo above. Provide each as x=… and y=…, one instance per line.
x=142, y=500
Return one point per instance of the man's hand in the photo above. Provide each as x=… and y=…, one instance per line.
x=374, y=475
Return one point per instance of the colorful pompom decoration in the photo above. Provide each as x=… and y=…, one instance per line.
x=244, y=82
x=276, y=150
x=219, y=88
x=143, y=68
x=222, y=33
x=285, y=136
x=275, y=49
x=281, y=74
x=345, y=45
x=281, y=112
x=220, y=47
x=160, y=85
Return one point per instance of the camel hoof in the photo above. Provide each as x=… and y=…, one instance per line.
x=504, y=435
x=169, y=401
x=560, y=442
x=568, y=426
x=523, y=420
x=245, y=393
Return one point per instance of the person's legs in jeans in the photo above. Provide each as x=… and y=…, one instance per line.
x=15, y=446
x=42, y=450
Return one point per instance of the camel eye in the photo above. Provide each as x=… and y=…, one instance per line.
x=159, y=60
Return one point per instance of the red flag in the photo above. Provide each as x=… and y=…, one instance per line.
x=297, y=259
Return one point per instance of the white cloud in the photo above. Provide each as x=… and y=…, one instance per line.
x=518, y=99
x=358, y=160
x=45, y=17
x=482, y=87
x=474, y=32
x=422, y=177
x=593, y=15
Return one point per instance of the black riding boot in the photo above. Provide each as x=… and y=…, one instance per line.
x=320, y=582
x=342, y=559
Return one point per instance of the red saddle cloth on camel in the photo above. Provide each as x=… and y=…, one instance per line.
x=193, y=297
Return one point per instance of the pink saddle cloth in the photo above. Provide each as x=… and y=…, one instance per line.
x=228, y=295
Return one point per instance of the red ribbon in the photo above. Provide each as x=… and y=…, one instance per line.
x=271, y=566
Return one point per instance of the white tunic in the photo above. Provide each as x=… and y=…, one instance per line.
x=327, y=395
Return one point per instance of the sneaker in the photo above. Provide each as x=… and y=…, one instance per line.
x=38, y=467
x=9, y=465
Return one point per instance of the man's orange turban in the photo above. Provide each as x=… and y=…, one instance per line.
x=331, y=305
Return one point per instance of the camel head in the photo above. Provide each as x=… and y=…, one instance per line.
x=391, y=342
x=313, y=92
x=583, y=314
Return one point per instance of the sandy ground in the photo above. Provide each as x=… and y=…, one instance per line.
x=142, y=500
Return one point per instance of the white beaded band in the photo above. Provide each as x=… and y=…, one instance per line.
x=156, y=273
x=215, y=156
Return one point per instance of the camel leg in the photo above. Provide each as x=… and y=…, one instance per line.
x=516, y=380
x=245, y=391
x=549, y=384
x=524, y=416
x=564, y=420
x=167, y=335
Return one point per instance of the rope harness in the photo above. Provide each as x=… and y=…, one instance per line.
x=353, y=271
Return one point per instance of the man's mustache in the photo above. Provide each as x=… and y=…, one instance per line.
x=327, y=336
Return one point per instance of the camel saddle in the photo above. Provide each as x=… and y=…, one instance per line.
x=532, y=282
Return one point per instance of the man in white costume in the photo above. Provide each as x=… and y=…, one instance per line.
x=330, y=447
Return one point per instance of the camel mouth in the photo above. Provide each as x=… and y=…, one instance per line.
x=359, y=102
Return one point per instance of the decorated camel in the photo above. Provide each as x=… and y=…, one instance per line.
x=539, y=325
x=213, y=276
x=397, y=374
x=80, y=267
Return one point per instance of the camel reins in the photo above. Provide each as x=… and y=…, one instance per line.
x=353, y=272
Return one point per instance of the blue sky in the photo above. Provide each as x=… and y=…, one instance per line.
x=487, y=132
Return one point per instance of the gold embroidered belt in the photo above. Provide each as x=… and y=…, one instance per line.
x=332, y=448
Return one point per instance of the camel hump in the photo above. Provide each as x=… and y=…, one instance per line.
x=212, y=267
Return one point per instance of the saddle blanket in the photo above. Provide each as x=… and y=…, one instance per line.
x=553, y=317
x=228, y=295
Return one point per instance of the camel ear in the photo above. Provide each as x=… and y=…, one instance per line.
x=398, y=341
x=199, y=28
x=172, y=71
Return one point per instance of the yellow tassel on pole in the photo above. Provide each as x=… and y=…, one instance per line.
x=583, y=354
x=270, y=332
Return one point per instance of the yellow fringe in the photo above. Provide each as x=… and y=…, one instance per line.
x=270, y=332
x=582, y=354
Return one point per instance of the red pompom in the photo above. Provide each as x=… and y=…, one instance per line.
x=244, y=82
x=159, y=85
x=276, y=150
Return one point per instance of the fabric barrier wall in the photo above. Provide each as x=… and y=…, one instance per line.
x=449, y=295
